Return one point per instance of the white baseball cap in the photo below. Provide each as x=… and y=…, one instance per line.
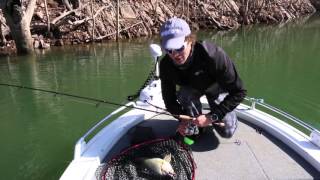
x=173, y=33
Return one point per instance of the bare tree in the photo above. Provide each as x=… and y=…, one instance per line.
x=18, y=15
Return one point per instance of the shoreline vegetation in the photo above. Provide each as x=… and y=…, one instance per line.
x=36, y=24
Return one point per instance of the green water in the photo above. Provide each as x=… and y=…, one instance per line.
x=38, y=130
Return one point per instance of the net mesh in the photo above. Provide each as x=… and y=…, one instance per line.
x=125, y=165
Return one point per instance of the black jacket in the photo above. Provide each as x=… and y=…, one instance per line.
x=209, y=71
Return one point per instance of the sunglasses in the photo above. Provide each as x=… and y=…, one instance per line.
x=179, y=50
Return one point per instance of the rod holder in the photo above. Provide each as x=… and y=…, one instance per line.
x=254, y=101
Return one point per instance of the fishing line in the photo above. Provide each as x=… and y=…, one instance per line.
x=186, y=139
x=86, y=98
x=156, y=106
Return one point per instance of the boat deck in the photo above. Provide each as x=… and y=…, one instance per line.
x=250, y=154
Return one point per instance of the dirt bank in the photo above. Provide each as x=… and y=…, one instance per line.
x=87, y=21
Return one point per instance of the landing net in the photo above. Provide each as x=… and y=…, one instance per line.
x=126, y=166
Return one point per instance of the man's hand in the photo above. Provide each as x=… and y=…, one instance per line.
x=202, y=121
x=182, y=127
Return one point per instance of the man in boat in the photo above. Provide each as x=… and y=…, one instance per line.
x=191, y=69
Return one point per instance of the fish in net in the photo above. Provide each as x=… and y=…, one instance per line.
x=133, y=163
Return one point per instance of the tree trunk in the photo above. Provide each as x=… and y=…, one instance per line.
x=21, y=35
x=19, y=24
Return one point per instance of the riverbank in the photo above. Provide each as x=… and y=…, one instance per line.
x=58, y=24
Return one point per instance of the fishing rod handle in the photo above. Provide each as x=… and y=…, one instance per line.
x=185, y=117
x=189, y=118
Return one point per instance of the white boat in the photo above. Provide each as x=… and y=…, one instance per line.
x=263, y=147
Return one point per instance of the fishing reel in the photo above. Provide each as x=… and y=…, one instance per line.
x=191, y=129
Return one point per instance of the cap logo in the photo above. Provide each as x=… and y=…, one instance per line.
x=176, y=30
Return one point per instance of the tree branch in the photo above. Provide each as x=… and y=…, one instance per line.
x=114, y=33
x=30, y=10
x=67, y=4
x=55, y=20
x=90, y=18
x=47, y=14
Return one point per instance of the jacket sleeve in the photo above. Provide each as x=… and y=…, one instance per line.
x=169, y=91
x=228, y=78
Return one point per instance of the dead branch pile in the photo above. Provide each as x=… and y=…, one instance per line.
x=80, y=21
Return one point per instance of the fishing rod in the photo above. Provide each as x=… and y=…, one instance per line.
x=183, y=117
